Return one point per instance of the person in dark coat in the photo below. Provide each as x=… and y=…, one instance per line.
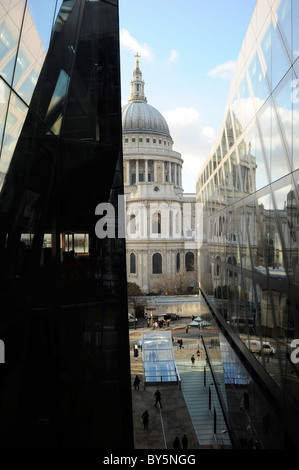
x=185, y=441
x=158, y=398
x=137, y=382
x=176, y=443
x=145, y=419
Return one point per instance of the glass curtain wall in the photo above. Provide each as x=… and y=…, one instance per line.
x=250, y=256
x=66, y=378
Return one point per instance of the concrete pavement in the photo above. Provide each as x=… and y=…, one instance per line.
x=185, y=409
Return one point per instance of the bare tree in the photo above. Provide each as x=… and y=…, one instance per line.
x=134, y=294
x=180, y=284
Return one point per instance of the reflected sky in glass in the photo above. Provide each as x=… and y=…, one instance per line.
x=41, y=12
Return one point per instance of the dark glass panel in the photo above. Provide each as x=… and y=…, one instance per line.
x=55, y=109
x=66, y=331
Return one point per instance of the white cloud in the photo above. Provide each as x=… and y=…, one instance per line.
x=224, y=71
x=209, y=133
x=174, y=55
x=181, y=116
x=192, y=139
x=128, y=42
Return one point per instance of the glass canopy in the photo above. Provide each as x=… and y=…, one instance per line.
x=158, y=358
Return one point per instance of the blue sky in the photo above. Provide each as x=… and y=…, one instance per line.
x=188, y=50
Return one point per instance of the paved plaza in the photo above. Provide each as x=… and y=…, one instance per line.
x=186, y=409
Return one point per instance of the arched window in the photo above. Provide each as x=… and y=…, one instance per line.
x=178, y=262
x=189, y=261
x=156, y=222
x=232, y=260
x=217, y=267
x=132, y=225
x=157, y=263
x=132, y=263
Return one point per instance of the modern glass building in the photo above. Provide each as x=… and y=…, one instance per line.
x=249, y=259
x=65, y=382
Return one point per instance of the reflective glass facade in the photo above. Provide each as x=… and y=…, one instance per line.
x=249, y=259
x=66, y=378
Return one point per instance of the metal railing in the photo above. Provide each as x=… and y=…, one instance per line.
x=162, y=379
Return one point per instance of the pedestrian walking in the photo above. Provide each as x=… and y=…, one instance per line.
x=198, y=354
x=145, y=419
x=185, y=442
x=158, y=398
x=193, y=360
x=148, y=322
x=187, y=329
x=137, y=382
x=176, y=443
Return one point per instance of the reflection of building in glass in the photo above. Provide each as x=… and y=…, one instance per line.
x=249, y=260
x=63, y=291
x=20, y=66
x=161, y=221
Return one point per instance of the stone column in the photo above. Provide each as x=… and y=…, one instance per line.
x=137, y=171
x=146, y=171
x=169, y=172
x=155, y=170
x=128, y=172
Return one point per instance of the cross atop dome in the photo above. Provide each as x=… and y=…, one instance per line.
x=137, y=61
x=137, y=84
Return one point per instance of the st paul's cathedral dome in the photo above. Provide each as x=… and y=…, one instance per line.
x=140, y=117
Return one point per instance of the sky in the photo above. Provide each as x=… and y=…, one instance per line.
x=188, y=51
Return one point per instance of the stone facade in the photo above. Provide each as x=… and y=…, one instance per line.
x=161, y=222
